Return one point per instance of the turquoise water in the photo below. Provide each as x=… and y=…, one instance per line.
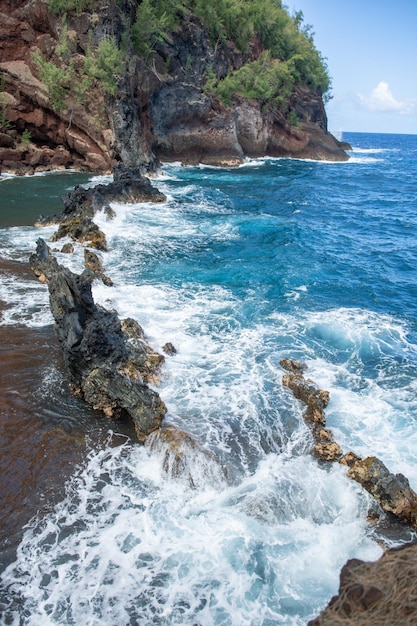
x=239, y=268
x=24, y=199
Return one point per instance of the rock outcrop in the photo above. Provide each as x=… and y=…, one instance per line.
x=370, y=594
x=182, y=458
x=108, y=367
x=382, y=593
x=153, y=111
x=44, y=137
x=81, y=204
x=392, y=491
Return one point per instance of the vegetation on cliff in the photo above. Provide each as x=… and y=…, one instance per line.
x=71, y=76
x=142, y=81
x=287, y=55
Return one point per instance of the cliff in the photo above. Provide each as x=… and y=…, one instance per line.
x=88, y=88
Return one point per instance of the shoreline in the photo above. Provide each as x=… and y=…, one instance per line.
x=221, y=164
x=53, y=172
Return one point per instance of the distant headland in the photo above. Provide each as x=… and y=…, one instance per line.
x=86, y=84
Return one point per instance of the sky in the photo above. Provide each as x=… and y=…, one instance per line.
x=370, y=47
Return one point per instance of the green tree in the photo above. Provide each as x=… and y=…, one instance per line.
x=55, y=78
x=59, y=7
x=107, y=65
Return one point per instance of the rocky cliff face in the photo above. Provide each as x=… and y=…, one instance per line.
x=158, y=111
x=33, y=134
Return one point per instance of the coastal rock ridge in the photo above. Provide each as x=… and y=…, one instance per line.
x=107, y=362
x=370, y=594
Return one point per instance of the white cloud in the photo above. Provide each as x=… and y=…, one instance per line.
x=382, y=99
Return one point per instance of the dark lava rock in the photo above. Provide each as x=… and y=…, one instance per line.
x=101, y=364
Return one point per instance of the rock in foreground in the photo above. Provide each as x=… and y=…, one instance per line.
x=105, y=365
x=382, y=593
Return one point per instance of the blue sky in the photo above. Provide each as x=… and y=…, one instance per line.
x=371, y=51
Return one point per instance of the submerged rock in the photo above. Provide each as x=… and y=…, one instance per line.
x=169, y=349
x=182, y=457
x=101, y=363
x=67, y=248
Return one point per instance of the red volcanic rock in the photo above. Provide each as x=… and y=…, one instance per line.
x=382, y=593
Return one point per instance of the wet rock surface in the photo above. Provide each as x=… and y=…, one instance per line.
x=183, y=458
x=102, y=365
x=370, y=594
x=392, y=491
x=81, y=205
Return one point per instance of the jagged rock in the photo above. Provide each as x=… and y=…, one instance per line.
x=328, y=451
x=128, y=186
x=101, y=364
x=322, y=435
x=84, y=230
x=349, y=459
x=116, y=394
x=142, y=356
x=392, y=491
x=74, y=137
x=316, y=403
x=67, y=248
x=168, y=348
x=382, y=593
x=315, y=399
x=133, y=329
x=93, y=263
x=296, y=367
x=81, y=204
x=183, y=458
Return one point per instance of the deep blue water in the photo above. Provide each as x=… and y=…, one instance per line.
x=239, y=268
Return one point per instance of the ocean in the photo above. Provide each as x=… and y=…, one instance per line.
x=314, y=261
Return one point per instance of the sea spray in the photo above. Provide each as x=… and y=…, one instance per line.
x=129, y=541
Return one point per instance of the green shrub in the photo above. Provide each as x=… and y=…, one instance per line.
x=293, y=119
x=59, y=7
x=107, y=64
x=26, y=137
x=289, y=57
x=153, y=19
x=285, y=38
x=101, y=65
x=55, y=78
x=265, y=79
